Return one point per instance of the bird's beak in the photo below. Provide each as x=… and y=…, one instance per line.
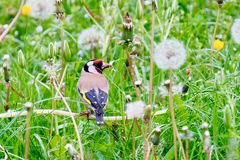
x=106, y=65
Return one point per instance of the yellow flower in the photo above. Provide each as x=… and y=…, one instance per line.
x=26, y=9
x=218, y=45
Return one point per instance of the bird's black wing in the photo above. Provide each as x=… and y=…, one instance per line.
x=102, y=97
x=97, y=100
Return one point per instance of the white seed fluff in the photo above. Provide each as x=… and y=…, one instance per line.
x=176, y=89
x=90, y=38
x=39, y=29
x=41, y=9
x=235, y=31
x=169, y=54
x=135, y=109
x=6, y=57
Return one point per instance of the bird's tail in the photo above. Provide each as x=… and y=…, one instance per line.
x=99, y=116
x=99, y=119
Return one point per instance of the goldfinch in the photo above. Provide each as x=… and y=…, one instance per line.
x=93, y=87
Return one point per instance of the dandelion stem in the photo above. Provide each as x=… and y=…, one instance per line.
x=133, y=77
x=151, y=59
x=133, y=138
x=186, y=148
x=146, y=133
x=27, y=136
x=174, y=126
x=215, y=31
x=6, y=106
x=62, y=49
x=73, y=120
x=216, y=25
x=53, y=117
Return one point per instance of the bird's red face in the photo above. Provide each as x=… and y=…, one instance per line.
x=96, y=66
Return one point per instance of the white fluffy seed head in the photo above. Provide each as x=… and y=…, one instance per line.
x=176, y=89
x=90, y=38
x=6, y=58
x=135, y=109
x=207, y=134
x=41, y=9
x=204, y=125
x=169, y=54
x=39, y=29
x=235, y=31
x=72, y=151
x=184, y=128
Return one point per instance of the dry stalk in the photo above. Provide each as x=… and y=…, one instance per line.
x=5, y=32
x=73, y=120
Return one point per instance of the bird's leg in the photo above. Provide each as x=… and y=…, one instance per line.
x=86, y=113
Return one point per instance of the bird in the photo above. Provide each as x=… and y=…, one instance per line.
x=93, y=87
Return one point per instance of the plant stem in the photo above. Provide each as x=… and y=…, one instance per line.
x=18, y=93
x=174, y=126
x=216, y=25
x=208, y=155
x=67, y=114
x=73, y=120
x=5, y=32
x=133, y=77
x=95, y=16
x=186, y=148
x=151, y=59
x=6, y=106
x=53, y=117
x=62, y=49
x=133, y=138
x=147, y=143
x=146, y=132
x=27, y=136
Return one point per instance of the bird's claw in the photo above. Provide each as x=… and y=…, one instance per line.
x=85, y=113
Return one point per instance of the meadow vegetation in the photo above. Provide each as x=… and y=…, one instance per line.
x=174, y=81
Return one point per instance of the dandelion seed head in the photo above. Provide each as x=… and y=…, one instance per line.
x=206, y=133
x=138, y=82
x=6, y=58
x=90, y=38
x=41, y=9
x=235, y=31
x=80, y=53
x=72, y=151
x=70, y=148
x=169, y=54
x=204, y=125
x=39, y=29
x=135, y=109
x=176, y=89
x=128, y=97
x=51, y=69
x=158, y=129
x=184, y=128
x=28, y=105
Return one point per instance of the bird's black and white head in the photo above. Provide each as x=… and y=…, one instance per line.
x=96, y=66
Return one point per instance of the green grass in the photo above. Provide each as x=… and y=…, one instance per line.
x=214, y=84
